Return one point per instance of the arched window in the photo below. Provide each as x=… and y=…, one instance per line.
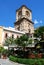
x=18, y=28
x=27, y=13
x=29, y=30
x=6, y=35
x=12, y=36
x=17, y=36
x=19, y=14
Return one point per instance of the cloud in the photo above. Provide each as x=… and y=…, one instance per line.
x=38, y=23
x=35, y=22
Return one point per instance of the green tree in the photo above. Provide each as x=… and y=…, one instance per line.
x=39, y=32
x=9, y=41
x=18, y=41
x=1, y=49
x=23, y=41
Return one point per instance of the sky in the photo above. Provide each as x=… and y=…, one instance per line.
x=8, y=11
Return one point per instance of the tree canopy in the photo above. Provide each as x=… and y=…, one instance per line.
x=9, y=41
x=23, y=41
x=39, y=32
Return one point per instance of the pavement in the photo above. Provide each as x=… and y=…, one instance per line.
x=8, y=62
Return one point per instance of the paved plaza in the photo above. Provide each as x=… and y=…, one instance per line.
x=8, y=62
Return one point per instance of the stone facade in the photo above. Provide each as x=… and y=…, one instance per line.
x=24, y=20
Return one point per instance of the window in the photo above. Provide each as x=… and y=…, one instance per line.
x=12, y=36
x=19, y=14
x=17, y=36
x=6, y=35
x=18, y=28
x=27, y=13
x=29, y=30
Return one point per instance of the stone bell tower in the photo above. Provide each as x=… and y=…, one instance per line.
x=24, y=20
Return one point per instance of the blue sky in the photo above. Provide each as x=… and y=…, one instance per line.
x=8, y=11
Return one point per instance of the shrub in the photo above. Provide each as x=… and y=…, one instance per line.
x=27, y=61
x=22, y=54
x=5, y=52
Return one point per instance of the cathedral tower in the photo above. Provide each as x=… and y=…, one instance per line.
x=24, y=20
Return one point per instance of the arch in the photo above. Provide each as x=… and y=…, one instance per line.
x=27, y=13
x=20, y=13
x=12, y=36
x=6, y=35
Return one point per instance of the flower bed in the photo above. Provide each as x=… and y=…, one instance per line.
x=37, y=61
x=38, y=55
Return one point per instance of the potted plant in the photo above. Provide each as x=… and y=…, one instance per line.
x=4, y=53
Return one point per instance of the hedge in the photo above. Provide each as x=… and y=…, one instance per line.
x=27, y=61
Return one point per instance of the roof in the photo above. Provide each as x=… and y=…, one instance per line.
x=13, y=30
x=19, y=21
x=23, y=6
